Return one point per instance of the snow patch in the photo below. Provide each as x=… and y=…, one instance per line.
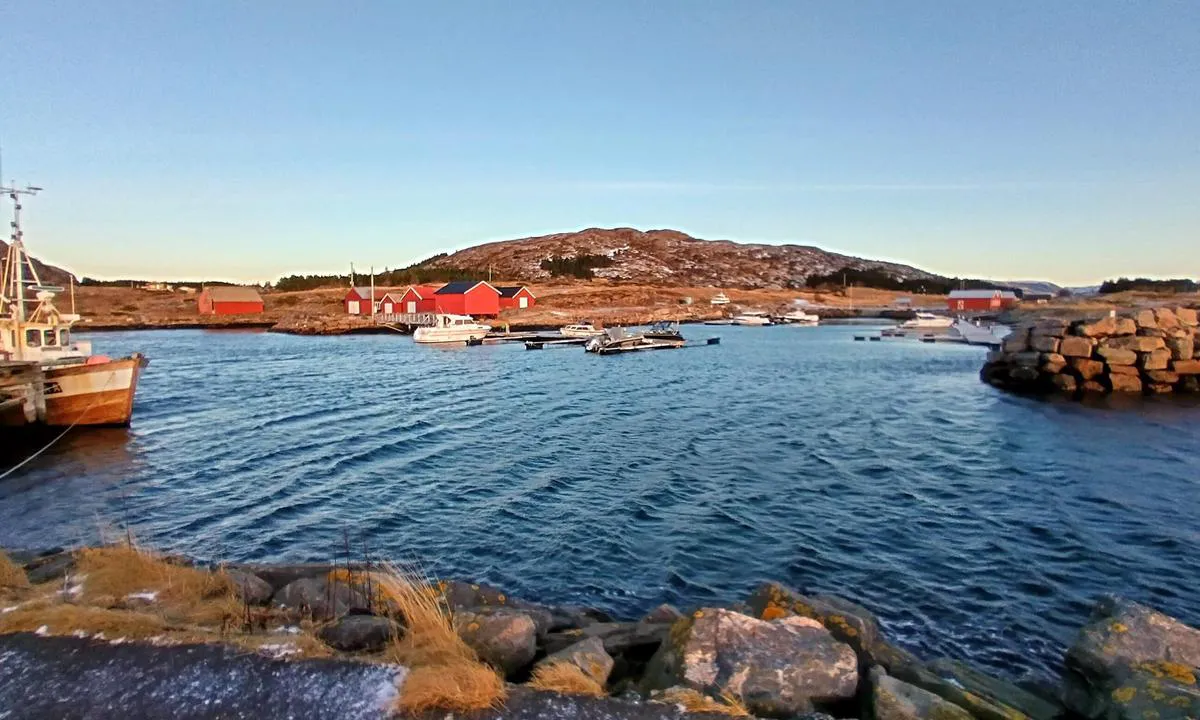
x=8, y=609
x=286, y=630
x=81, y=634
x=147, y=596
x=42, y=631
x=279, y=650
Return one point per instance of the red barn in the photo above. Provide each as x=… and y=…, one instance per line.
x=229, y=300
x=358, y=301
x=515, y=296
x=414, y=299
x=468, y=297
x=981, y=300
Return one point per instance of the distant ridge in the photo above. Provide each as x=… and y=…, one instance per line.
x=48, y=274
x=664, y=257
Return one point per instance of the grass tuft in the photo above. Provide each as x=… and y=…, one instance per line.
x=693, y=701
x=566, y=678
x=444, y=672
x=12, y=575
x=68, y=619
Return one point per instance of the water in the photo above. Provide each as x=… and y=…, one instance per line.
x=977, y=525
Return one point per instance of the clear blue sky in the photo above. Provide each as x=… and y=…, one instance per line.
x=245, y=140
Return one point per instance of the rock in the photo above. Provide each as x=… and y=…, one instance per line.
x=1125, y=326
x=663, y=614
x=1065, y=383
x=1165, y=318
x=359, y=633
x=1102, y=327
x=280, y=576
x=1076, y=346
x=1051, y=326
x=779, y=667
x=1053, y=367
x=1162, y=376
x=1189, y=384
x=1187, y=317
x=897, y=700
x=1044, y=343
x=1137, y=343
x=1091, y=386
x=1158, y=388
x=1156, y=360
x=1146, y=319
x=985, y=696
x=1123, y=369
x=1131, y=662
x=252, y=589
x=1182, y=348
x=1029, y=358
x=323, y=599
x=50, y=567
x=1024, y=374
x=1186, y=367
x=618, y=638
x=1017, y=341
x=1152, y=332
x=1114, y=356
x=587, y=655
x=1086, y=368
x=846, y=621
x=1125, y=383
x=503, y=638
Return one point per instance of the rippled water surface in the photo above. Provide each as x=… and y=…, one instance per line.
x=975, y=524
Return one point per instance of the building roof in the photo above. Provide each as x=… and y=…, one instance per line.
x=364, y=292
x=460, y=287
x=512, y=290
x=232, y=293
x=981, y=294
x=421, y=291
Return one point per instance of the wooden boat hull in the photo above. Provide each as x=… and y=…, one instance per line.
x=99, y=394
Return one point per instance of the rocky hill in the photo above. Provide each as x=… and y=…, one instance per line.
x=664, y=257
x=48, y=274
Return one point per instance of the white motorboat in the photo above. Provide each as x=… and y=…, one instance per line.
x=451, y=329
x=926, y=320
x=799, y=317
x=619, y=340
x=579, y=330
x=753, y=320
x=975, y=333
x=719, y=299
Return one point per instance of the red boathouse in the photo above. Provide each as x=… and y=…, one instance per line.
x=414, y=299
x=468, y=297
x=229, y=300
x=981, y=300
x=515, y=296
x=358, y=300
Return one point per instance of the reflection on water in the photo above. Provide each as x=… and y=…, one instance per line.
x=975, y=524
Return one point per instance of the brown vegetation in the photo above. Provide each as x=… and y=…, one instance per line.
x=696, y=702
x=11, y=574
x=565, y=678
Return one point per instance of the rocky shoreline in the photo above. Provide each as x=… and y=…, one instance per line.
x=778, y=653
x=1152, y=352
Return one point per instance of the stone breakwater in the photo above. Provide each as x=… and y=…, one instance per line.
x=1152, y=352
x=776, y=653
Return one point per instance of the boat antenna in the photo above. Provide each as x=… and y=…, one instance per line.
x=14, y=271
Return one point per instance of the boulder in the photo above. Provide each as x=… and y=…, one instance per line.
x=1131, y=662
x=1189, y=384
x=1146, y=319
x=1029, y=358
x=1044, y=343
x=1051, y=326
x=776, y=668
x=252, y=589
x=1115, y=356
x=1154, y=388
x=1102, y=327
x=1165, y=318
x=505, y=639
x=1182, y=348
x=1076, y=346
x=1024, y=374
x=359, y=633
x=1155, y=360
x=50, y=567
x=662, y=614
x=1065, y=383
x=1125, y=326
x=988, y=697
x=1186, y=367
x=320, y=597
x=280, y=576
x=1091, y=386
x=1087, y=368
x=1054, y=364
x=1125, y=383
x=1187, y=317
x=1017, y=341
x=1152, y=332
x=1123, y=369
x=617, y=637
x=587, y=655
x=1138, y=343
x=1162, y=376
x=896, y=700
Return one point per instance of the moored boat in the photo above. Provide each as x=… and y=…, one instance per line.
x=928, y=320
x=579, y=330
x=799, y=317
x=752, y=320
x=719, y=299
x=620, y=340
x=451, y=329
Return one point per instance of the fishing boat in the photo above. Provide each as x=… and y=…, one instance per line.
x=579, y=330
x=448, y=328
x=80, y=388
x=619, y=340
x=926, y=320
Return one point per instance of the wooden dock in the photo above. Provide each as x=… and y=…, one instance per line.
x=22, y=393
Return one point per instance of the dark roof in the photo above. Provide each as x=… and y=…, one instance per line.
x=511, y=290
x=459, y=287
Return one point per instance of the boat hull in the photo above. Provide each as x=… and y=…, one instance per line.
x=99, y=394
x=429, y=336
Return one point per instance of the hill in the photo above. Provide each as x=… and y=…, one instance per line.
x=658, y=257
x=48, y=274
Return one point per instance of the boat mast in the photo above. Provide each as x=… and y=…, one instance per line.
x=17, y=259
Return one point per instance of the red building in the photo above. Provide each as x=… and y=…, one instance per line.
x=515, y=296
x=981, y=300
x=358, y=300
x=468, y=297
x=414, y=299
x=229, y=300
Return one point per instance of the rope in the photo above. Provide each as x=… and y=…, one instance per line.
x=50, y=444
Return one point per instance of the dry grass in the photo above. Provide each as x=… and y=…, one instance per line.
x=693, y=701
x=566, y=678
x=444, y=672
x=62, y=619
x=12, y=575
x=182, y=594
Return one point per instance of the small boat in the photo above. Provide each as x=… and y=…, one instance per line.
x=80, y=388
x=451, y=329
x=928, y=320
x=579, y=330
x=664, y=330
x=719, y=299
x=974, y=333
x=799, y=317
x=752, y=320
x=620, y=340
x=718, y=322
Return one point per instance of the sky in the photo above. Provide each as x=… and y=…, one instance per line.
x=238, y=140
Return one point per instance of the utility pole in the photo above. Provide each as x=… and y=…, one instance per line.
x=372, y=293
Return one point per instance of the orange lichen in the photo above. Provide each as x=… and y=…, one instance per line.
x=773, y=612
x=11, y=574
x=1124, y=694
x=1118, y=627
x=1167, y=670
